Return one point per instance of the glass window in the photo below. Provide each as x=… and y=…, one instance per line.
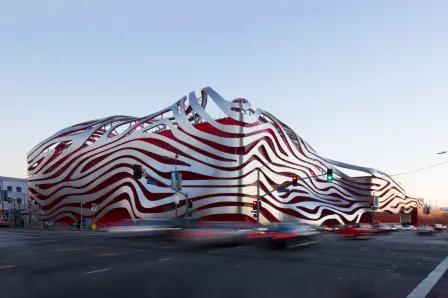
x=18, y=189
x=9, y=188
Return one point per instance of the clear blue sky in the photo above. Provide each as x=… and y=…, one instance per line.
x=365, y=82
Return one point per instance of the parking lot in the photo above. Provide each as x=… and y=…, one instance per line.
x=85, y=264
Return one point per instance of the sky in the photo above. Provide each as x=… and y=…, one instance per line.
x=363, y=82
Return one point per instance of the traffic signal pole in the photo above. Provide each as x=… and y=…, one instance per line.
x=258, y=195
x=329, y=175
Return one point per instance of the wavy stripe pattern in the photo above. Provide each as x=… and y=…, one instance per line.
x=92, y=162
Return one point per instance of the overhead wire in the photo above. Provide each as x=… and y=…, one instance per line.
x=420, y=169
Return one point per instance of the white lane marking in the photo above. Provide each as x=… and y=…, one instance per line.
x=96, y=271
x=167, y=247
x=213, y=251
x=430, y=281
x=303, y=244
x=166, y=259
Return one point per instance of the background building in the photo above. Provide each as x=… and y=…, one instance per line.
x=14, y=204
x=222, y=162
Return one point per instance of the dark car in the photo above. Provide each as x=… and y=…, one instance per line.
x=438, y=227
x=426, y=230
x=290, y=235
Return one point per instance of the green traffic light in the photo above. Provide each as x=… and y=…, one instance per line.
x=330, y=175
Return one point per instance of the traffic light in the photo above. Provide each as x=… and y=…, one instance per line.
x=138, y=171
x=254, y=205
x=294, y=180
x=329, y=174
x=190, y=204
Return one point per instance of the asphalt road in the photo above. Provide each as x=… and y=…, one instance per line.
x=82, y=264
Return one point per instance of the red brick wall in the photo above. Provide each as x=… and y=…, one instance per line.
x=435, y=217
x=387, y=217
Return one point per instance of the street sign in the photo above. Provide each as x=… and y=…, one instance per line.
x=176, y=198
x=282, y=190
x=151, y=182
x=375, y=201
x=94, y=207
x=93, y=227
x=176, y=180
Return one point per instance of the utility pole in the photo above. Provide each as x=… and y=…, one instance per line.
x=176, y=176
x=41, y=214
x=258, y=195
x=2, y=197
x=186, y=204
x=175, y=171
x=80, y=224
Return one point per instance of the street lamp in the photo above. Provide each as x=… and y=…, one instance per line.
x=443, y=152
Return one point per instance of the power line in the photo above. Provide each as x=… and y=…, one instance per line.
x=421, y=169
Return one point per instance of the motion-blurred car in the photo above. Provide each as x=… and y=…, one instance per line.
x=290, y=235
x=409, y=228
x=336, y=228
x=357, y=231
x=214, y=233
x=323, y=228
x=438, y=227
x=397, y=227
x=426, y=230
x=4, y=223
x=382, y=229
x=157, y=228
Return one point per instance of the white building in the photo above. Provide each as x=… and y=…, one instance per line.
x=17, y=196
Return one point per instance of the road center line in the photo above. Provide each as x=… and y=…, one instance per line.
x=430, y=281
x=166, y=259
x=96, y=271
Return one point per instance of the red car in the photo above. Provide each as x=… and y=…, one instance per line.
x=356, y=231
x=4, y=223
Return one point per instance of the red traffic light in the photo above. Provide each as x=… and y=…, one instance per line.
x=294, y=180
x=190, y=203
x=254, y=205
